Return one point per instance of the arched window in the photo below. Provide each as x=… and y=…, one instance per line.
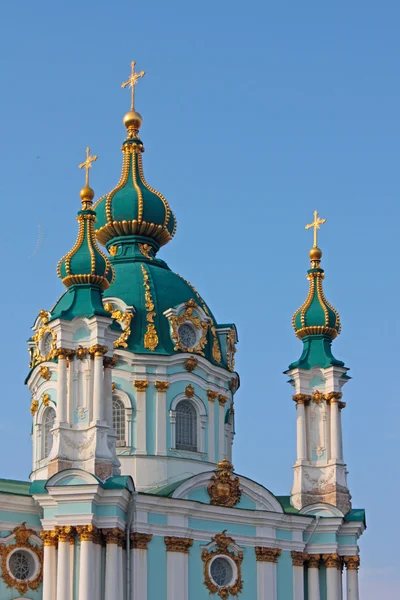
x=48, y=423
x=186, y=426
x=119, y=420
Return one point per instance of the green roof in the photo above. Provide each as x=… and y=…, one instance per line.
x=284, y=501
x=17, y=488
x=356, y=514
x=166, y=490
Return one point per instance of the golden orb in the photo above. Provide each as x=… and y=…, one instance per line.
x=86, y=193
x=315, y=253
x=132, y=120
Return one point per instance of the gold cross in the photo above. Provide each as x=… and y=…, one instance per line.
x=316, y=224
x=132, y=81
x=87, y=164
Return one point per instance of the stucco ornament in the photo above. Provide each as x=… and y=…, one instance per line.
x=22, y=535
x=224, y=487
x=224, y=546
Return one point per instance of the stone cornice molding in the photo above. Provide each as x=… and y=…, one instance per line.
x=267, y=554
x=140, y=541
x=352, y=562
x=299, y=558
x=178, y=544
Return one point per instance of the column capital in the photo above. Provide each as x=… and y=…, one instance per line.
x=88, y=533
x=98, y=350
x=332, y=561
x=141, y=385
x=49, y=537
x=211, y=395
x=352, y=562
x=63, y=353
x=113, y=535
x=66, y=534
x=222, y=399
x=140, y=541
x=314, y=561
x=267, y=554
x=342, y=405
x=333, y=397
x=299, y=558
x=161, y=386
x=178, y=544
x=110, y=361
x=301, y=398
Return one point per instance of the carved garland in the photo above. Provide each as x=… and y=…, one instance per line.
x=22, y=535
x=125, y=319
x=189, y=316
x=221, y=548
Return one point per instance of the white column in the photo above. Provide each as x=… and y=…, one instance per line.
x=298, y=583
x=222, y=401
x=352, y=564
x=141, y=442
x=301, y=430
x=332, y=576
x=211, y=426
x=108, y=393
x=313, y=577
x=178, y=568
x=139, y=573
x=72, y=565
x=97, y=570
x=161, y=417
x=335, y=430
x=86, y=570
x=112, y=589
x=98, y=387
x=49, y=567
x=63, y=569
x=121, y=572
x=71, y=389
x=62, y=389
x=266, y=580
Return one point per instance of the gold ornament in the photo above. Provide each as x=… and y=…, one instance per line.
x=34, y=406
x=125, y=319
x=231, y=349
x=332, y=561
x=98, y=350
x=178, y=544
x=88, y=533
x=36, y=352
x=81, y=352
x=189, y=316
x=49, y=537
x=145, y=249
x=333, y=397
x=190, y=364
x=211, y=395
x=317, y=397
x=216, y=351
x=46, y=399
x=299, y=558
x=267, y=554
x=45, y=373
x=233, y=386
x=223, y=488
x=66, y=534
x=140, y=541
x=301, y=398
x=352, y=562
x=150, y=337
x=221, y=547
x=222, y=399
x=113, y=387
x=22, y=535
x=316, y=224
x=189, y=391
x=113, y=251
x=113, y=535
x=161, y=386
x=141, y=385
x=314, y=561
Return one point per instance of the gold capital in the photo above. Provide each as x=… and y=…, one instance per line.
x=87, y=165
x=178, y=544
x=161, y=386
x=267, y=554
x=299, y=558
x=140, y=541
x=132, y=81
x=222, y=399
x=301, y=398
x=316, y=224
x=314, y=561
x=352, y=562
x=212, y=395
x=141, y=385
x=332, y=561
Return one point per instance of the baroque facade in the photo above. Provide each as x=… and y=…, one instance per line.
x=133, y=495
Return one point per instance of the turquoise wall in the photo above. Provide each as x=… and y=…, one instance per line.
x=249, y=574
x=219, y=526
x=157, y=570
x=284, y=574
x=283, y=534
x=157, y=519
x=322, y=582
x=197, y=589
x=19, y=517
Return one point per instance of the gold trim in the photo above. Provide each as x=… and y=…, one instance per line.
x=66, y=533
x=189, y=391
x=141, y=385
x=224, y=487
x=125, y=319
x=352, y=562
x=211, y=395
x=314, y=560
x=146, y=185
x=299, y=558
x=150, y=337
x=190, y=364
x=178, y=544
x=332, y=561
x=22, y=535
x=231, y=350
x=188, y=315
x=145, y=249
x=161, y=386
x=222, y=543
x=267, y=554
x=88, y=533
x=36, y=356
x=45, y=373
x=316, y=330
x=222, y=399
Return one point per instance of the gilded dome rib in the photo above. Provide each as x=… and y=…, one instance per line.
x=154, y=191
x=137, y=188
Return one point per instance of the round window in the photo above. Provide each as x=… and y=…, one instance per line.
x=221, y=571
x=46, y=343
x=187, y=335
x=21, y=565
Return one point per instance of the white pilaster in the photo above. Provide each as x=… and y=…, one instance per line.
x=139, y=573
x=141, y=439
x=177, y=576
x=86, y=570
x=71, y=390
x=352, y=563
x=266, y=581
x=98, y=387
x=314, y=592
x=221, y=429
x=332, y=583
x=301, y=431
x=298, y=583
x=97, y=571
x=335, y=430
x=49, y=572
x=121, y=572
x=161, y=417
x=108, y=395
x=63, y=571
x=112, y=589
x=211, y=430
x=62, y=389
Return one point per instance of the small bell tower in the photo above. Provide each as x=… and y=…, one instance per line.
x=320, y=473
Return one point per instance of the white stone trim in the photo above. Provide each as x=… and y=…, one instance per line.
x=329, y=509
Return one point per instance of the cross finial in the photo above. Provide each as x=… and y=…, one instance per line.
x=316, y=224
x=132, y=81
x=87, y=164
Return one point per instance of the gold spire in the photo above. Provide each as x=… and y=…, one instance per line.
x=316, y=224
x=87, y=194
x=132, y=120
x=132, y=81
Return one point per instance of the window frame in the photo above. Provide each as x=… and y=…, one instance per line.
x=201, y=421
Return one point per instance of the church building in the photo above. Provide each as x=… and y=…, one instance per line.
x=133, y=494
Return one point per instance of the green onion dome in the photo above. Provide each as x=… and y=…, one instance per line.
x=85, y=263
x=133, y=207
x=316, y=316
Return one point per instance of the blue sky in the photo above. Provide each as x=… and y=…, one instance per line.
x=255, y=115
